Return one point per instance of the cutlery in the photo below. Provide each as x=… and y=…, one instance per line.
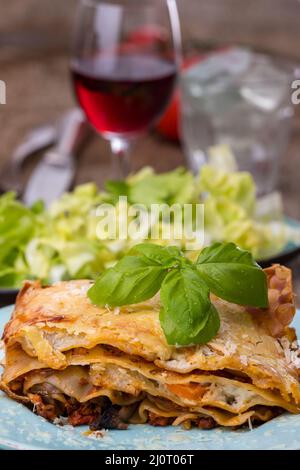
x=55, y=172
x=36, y=140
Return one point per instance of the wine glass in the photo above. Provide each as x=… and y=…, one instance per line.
x=124, y=67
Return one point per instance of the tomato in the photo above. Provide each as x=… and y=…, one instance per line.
x=190, y=391
x=169, y=124
x=152, y=36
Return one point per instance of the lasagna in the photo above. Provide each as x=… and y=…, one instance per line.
x=72, y=361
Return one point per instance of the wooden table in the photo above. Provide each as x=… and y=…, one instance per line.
x=34, y=63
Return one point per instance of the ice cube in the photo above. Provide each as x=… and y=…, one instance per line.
x=265, y=85
x=241, y=99
x=217, y=70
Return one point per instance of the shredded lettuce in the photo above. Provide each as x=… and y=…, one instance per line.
x=233, y=214
x=64, y=243
x=147, y=188
x=237, y=187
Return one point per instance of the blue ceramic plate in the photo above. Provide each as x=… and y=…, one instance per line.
x=21, y=429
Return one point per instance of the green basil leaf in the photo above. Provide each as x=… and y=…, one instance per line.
x=175, y=336
x=167, y=256
x=226, y=253
x=233, y=275
x=185, y=299
x=133, y=280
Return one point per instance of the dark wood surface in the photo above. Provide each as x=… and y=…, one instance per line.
x=34, y=55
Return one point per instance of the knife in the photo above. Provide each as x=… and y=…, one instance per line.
x=36, y=140
x=55, y=173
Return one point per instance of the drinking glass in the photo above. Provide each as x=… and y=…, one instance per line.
x=124, y=67
x=238, y=102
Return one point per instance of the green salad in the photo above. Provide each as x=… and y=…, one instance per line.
x=62, y=242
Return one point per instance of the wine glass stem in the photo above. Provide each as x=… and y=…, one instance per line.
x=120, y=153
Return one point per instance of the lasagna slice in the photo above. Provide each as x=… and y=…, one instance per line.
x=68, y=359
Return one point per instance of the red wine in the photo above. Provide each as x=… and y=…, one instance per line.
x=124, y=94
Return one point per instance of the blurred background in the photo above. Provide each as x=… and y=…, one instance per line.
x=35, y=38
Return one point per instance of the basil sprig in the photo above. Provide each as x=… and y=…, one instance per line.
x=187, y=315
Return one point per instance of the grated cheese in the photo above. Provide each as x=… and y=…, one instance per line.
x=244, y=360
x=230, y=348
x=291, y=352
x=60, y=421
x=250, y=424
